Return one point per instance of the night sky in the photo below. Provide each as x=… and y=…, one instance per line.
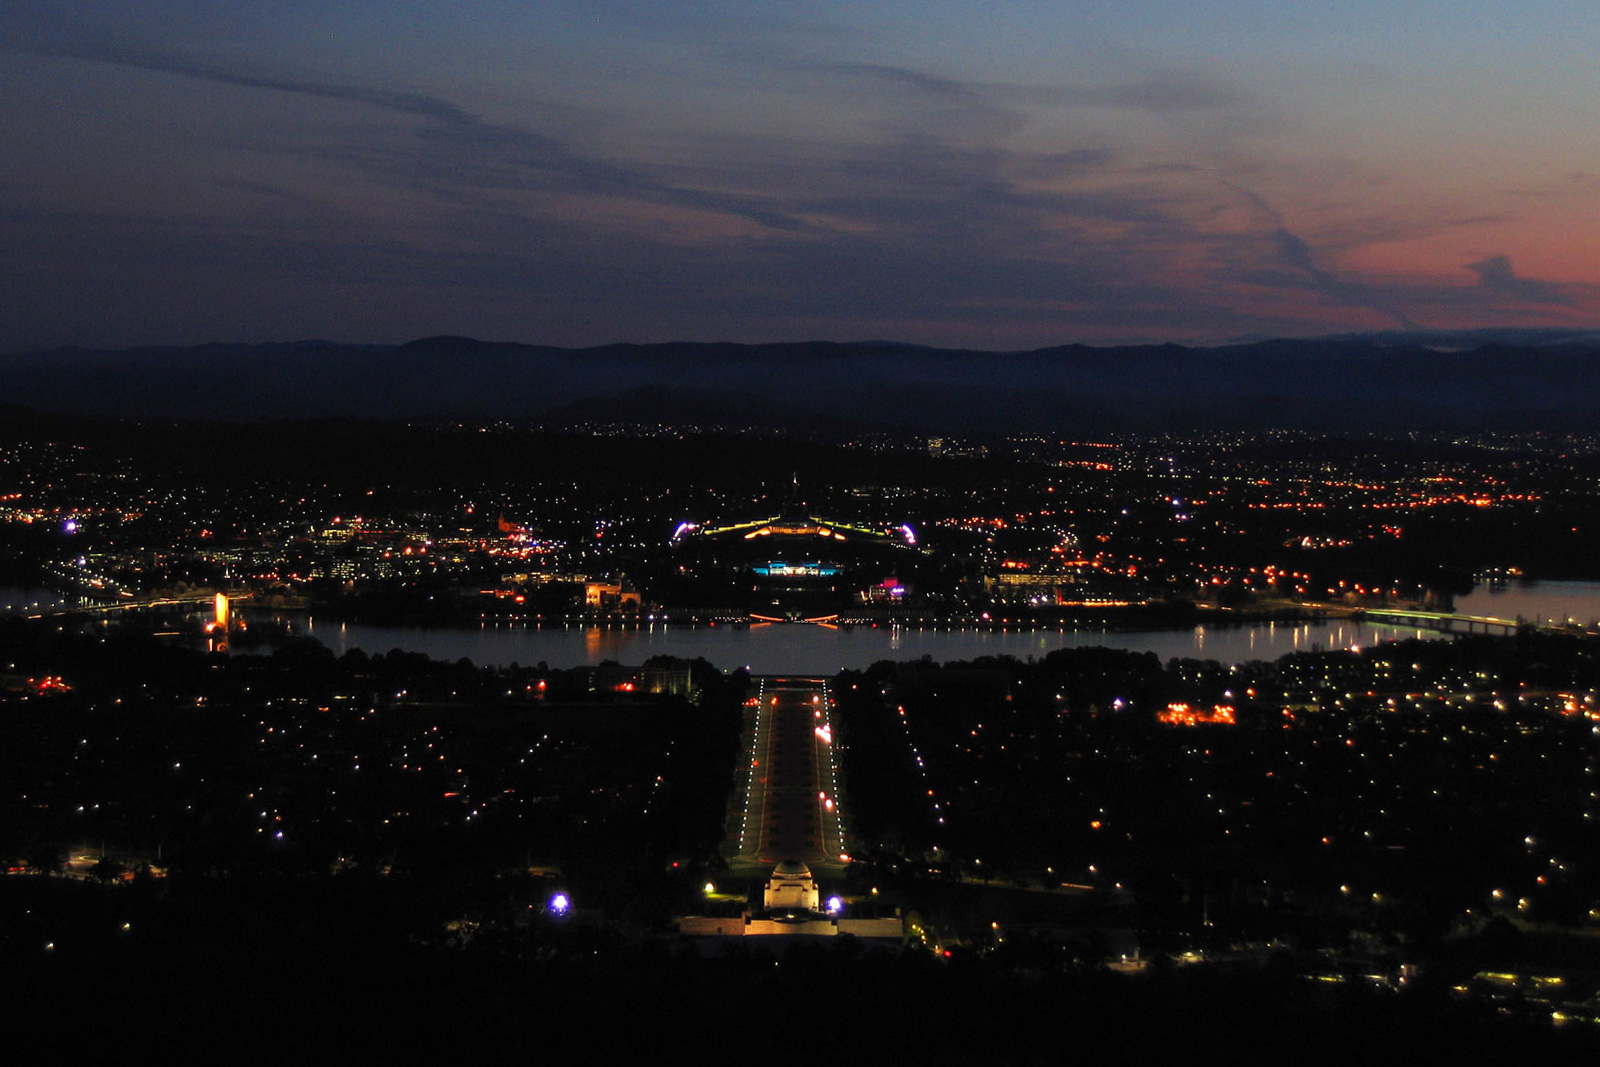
x=1005, y=175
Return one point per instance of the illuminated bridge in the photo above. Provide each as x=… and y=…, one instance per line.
x=1445, y=622
x=132, y=603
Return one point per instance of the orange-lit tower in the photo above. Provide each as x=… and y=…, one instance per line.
x=218, y=627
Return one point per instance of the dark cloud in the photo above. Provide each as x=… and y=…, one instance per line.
x=900, y=203
x=1496, y=275
x=910, y=100
x=1161, y=94
x=996, y=108
x=104, y=48
x=1293, y=251
x=462, y=148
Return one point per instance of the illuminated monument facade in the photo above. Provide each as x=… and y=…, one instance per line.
x=791, y=889
x=792, y=906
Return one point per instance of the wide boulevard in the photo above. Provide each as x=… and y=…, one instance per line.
x=788, y=804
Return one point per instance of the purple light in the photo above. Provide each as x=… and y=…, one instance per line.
x=835, y=905
x=560, y=904
x=70, y=526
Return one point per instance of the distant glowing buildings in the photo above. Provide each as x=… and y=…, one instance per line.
x=1189, y=715
x=799, y=565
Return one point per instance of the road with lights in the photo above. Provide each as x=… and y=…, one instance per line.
x=791, y=804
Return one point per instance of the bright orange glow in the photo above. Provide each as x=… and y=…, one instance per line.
x=1189, y=715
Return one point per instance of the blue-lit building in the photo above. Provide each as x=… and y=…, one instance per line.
x=797, y=565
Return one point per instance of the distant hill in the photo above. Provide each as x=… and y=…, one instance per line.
x=1434, y=379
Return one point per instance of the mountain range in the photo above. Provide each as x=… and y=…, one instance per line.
x=1481, y=379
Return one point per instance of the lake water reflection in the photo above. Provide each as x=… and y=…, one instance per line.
x=800, y=649
x=25, y=600
x=796, y=649
x=1535, y=601
x=789, y=649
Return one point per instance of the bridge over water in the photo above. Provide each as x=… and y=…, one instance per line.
x=138, y=603
x=1453, y=623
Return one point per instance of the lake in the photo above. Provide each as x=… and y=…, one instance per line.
x=790, y=648
x=797, y=648
x=1535, y=601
